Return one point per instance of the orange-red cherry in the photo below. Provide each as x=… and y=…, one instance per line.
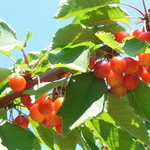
x=144, y=59
x=120, y=36
x=59, y=129
x=145, y=77
x=58, y=103
x=91, y=62
x=17, y=83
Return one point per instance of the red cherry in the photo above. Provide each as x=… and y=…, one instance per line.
x=145, y=77
x=17, y=83
x=145, y=36
x=131, y=65
x=131, y=81
x=148, y=69
x=91, y=62
x=119, y=91
x=139, y=71
x=46, y=106
x=119, y=37
x=115, y=79
x=137, y=32
x=58, y=103
x=35, y=114
x=22, y=121
x=118, y=64
x=59, y=129
x=44, y=96
x=26, y=100
x=101, y=69
x=144, y=59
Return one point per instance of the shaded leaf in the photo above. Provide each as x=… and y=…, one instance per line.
x=4, y=74
x=81, y=92
x=70, y=8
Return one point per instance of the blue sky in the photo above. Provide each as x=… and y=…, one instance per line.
x=36, y=16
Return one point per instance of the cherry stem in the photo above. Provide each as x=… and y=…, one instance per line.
x=133, y=8
x=25, y=57
x=145, y=9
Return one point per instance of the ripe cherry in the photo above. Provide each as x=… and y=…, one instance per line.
x=59, y=129
x=148, y=69
x=137, y=32
x=120, y=36
x=46, y=106
x=114, y=79
x=131, y=65
x=145, y=77
x=58, y=103
x=101, y=69
x=35, y=114
x=119, y=91
x=139, y=71
x=44, y=96
x=144, y=59
x=26, y=100
x=17, y=83
x=118, y=64
x=22, y=121
x=131, y=81
x=145, y=36
x=91, y=62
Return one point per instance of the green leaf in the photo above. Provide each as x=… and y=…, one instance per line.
x=81, y=92
x=70, y=8
x=103, y=15
x=8, y=39
x=134, y=46
x=38, y=91
x=73, y=35
x=77, y=58
x=44, y=135
x=125, y=117
x=112, y=28
x=5, y=73
x=14, y=137
x=36, y=145
x=139, y=98
x=114, y=137
x=108, y=39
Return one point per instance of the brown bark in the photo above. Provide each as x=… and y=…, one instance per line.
x=51, y=75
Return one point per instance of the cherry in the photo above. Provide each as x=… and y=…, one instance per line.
x=118, y=91
x=137, y=32
x=145, y=77
x=131, y=81
x=59, y=129
x=91, y=62
x=144, y=59
x=58, y=103
x=139, y=71
x=131, y=65
x=119, y=37
x=17, y=83
x=46, y=106
x=118, y=64
x=26, y=100
x=101, y=69
x=114, y=79
x=35, y=114
x=148, y=69
x=44, y=96
x=145, y=36
x=22, y=121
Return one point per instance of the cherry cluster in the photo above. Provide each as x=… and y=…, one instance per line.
x=123, y=74
x=43, y=110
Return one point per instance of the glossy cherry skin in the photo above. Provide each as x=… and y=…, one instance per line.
x=101, y=69
x=131, y=65
x=22, y=121
x=131, y=81
x=114, y=79
x=148, y=69
x=120, y=36
x=145, y=77
x=145, y=36
x=139, y=71
x=144, y=59
x=26, y=100
x=91, y=62
x=17, y=83
x=58, y=103
x=137, y=32
x=59, y=129
x=35, y=114
x=118, y=64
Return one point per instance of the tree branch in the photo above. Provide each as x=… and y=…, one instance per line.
x=51, y=75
